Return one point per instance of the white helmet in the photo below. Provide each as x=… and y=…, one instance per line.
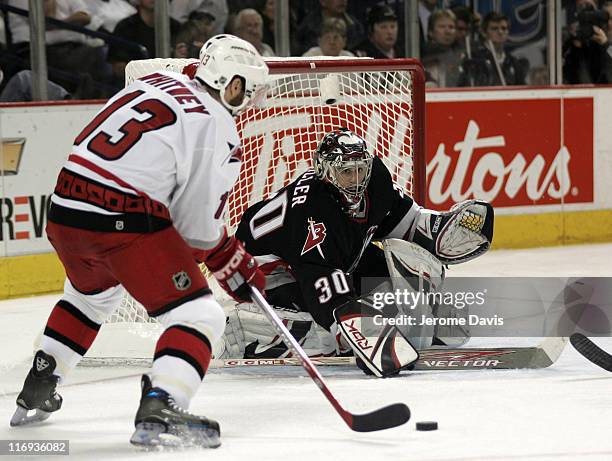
x=224, y=57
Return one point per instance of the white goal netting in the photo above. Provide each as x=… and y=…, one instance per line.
x=382, y=100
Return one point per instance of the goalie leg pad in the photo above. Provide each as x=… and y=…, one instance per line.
x=381, y=346
x=249, y=334
x=418, y=275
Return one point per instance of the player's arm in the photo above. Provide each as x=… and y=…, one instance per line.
x=199, y=206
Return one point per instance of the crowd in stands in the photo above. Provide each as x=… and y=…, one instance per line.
x=458, y=47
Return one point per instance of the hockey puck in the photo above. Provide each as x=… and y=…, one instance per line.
x=427, y=426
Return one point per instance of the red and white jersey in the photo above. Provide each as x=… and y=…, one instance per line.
x=163, y=137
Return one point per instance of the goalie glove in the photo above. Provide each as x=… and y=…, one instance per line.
x=235, y=269
x=455, y=236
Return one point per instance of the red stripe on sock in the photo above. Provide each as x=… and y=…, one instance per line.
x=71, y=327
x=186, y=342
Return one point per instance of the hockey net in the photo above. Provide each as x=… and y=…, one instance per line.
x=382, y=100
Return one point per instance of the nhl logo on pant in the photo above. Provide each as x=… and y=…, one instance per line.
x=181, y=280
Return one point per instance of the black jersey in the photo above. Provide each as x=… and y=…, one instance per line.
x=305, y=226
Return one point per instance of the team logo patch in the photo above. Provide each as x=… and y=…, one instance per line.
x=181, y=280
x=235, y=155
x=316, y=236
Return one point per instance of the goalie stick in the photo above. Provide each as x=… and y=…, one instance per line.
x=591, y=351
x=383, y=418
x=470, y=358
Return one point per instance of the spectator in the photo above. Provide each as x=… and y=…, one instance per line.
x=3, y=40
x=441, y=55
x=19, y=89
x=182, y=11
x=73, y=12
x=607, y=6
x=267, y=14
x=607, y=68
x=267, y=10
x=68, y=53
x=332, y=40
x=249, y=27
x=492, y=63
x=466, y=22
x=382, y=34
x=310, y=28
x=538, y=76
x=425, y=8
x=193, y=34
x=586, y=57
x=106, y=14
x=138, y=28
x=235, y=6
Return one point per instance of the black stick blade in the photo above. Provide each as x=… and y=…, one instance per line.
x=591, y=351
x=383, y=418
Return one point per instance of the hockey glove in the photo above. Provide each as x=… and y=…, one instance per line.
x=235, y=269
x=455, y=236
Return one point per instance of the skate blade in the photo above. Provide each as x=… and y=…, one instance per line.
x=155, y=436
x=21, y=417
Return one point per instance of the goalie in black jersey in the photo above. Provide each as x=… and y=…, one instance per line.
x=314, y=239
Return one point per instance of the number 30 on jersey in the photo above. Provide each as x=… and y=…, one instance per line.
x=328, y=285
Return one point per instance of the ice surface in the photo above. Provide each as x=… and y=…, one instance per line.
x=563, y=412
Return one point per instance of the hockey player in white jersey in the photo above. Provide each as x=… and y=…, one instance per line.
x=138, y=203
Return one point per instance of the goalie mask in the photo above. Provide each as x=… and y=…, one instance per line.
x=343, y=161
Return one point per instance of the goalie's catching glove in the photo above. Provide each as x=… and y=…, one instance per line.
x=235, y=269
x=455, y=236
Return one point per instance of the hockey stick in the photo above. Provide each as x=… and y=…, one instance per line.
x=383, y=418
x=475, y=358
x=591, y=351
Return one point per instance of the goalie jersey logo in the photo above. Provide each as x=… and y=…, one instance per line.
x=316, y=235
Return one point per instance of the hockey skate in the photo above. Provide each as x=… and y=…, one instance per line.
x=38, y=392
x=160, y=422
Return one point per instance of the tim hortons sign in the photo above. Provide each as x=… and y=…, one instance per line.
x=511, y=153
